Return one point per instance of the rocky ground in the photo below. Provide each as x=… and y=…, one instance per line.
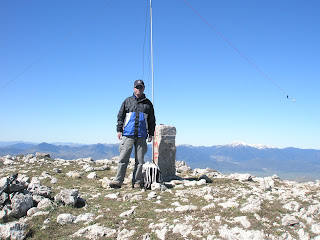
x=70, y=199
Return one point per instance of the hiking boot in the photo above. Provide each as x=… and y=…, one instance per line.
x=115, y=184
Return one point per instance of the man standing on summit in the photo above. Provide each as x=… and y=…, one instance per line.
x=136, y=123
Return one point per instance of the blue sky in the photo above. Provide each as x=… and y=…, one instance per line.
x=70, y=64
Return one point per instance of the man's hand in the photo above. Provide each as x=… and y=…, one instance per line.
x=119, y=135
x=149, y=138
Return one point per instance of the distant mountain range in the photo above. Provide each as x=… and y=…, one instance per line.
x=288, y=163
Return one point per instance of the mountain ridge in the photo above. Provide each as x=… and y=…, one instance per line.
x=239, y=157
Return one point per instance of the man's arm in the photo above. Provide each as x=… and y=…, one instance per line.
x=151, y=123
x=121, y=116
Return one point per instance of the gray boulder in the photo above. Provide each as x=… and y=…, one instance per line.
x=242, y=177
x=3, y=182
x=17, y=187
x=45, y=203
x=37, y=199
x=36, y=188
x=42, y=155
x=43, y=191
x=158, y=187
x=95, y=232
x=20, y=204
x=35, y=183
x=23, y=179
x=266, y=183
x=289, y=220
x=32, y=211
x=14, y=230
x=67, y=197
x=85, y=217
x=181, y=166
x=5, y=213
x=65, y=218
x=3, y=198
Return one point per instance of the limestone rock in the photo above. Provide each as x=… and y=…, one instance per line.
x=113, y=195
x=211, y=205
x=160, y=229
x=105, y=182
x=182, y=229
x=129, y=212
x=125, y=234
x=41, y=191
x=67, y=197
x=158, y=187
x=54, y=180
x=35, y=183
x=42, y=155
x=102, y=168
x=202, y=182
x=65, y=218
x=186, y=208
x=292, y=206
x=45, y=203
x=146, y=236
x=85, y=217
x=242, y=177
x=37, y=199
x=92, y=175
x=289, y=220
x=266, y=183
x=95, y=232
x=253, y=205
x=3, y=214
x=3, y=182
x=20, y=204
x=57, y=170
x=276, y=177
x=40, y=213
x=14, y=230
x=32, y=211
x=152, y=195
x=313, y=210
x=315, y=228
x=23, y=179
x=74, y=174
x=229, y=204
x=8, y=161
x=240, y=234
x=3, y=198
x=303, y=235
x=181, y=166
x=6, y=212
x=243, y=221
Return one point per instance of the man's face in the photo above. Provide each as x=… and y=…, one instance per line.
x=138, y=90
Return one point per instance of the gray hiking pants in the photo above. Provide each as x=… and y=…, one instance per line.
x=125, y=149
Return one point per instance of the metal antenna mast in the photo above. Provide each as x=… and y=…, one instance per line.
x=151, y=46
x=151, y=51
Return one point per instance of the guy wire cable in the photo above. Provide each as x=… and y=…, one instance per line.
x=144, y=39
x=57, y=44
x=240, y=53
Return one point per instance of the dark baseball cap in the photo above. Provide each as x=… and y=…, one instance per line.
x=138, y=82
